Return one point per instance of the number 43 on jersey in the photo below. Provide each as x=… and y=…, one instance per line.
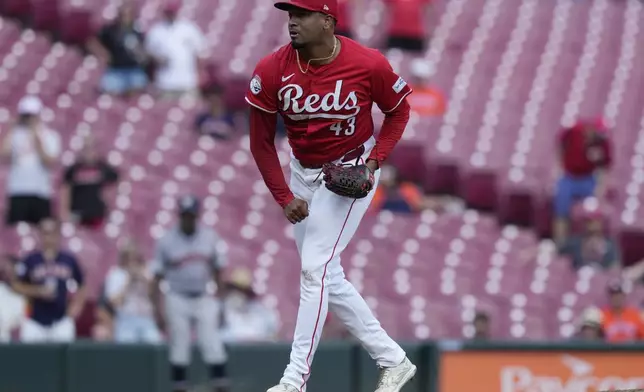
x=346, y=128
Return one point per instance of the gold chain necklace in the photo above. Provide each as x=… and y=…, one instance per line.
x=308, y=64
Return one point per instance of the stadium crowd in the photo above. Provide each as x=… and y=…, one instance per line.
x=169, y=61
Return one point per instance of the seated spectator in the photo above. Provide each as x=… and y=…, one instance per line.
x=127, y=292
x=591, y=326
x=32, y=149
x=620, y=322
x=481, y=325
x=344, y=25
x=13, y=306
x=103, y=329
x=120, y=45
x=585, y=153
x=246, y=317
x=81, y=196
x=176, y=45
x=53, y=282
x=406, y=24
x=215, y=121
x=426, y=100
x=592, y=247
x=396, y=195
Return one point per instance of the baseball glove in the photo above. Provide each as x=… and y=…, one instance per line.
x=349, y=181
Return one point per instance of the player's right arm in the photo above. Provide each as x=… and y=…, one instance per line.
x=262, y=97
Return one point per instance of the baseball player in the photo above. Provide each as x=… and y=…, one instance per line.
x=188, y=260
x=45, y=278
x=324, y=87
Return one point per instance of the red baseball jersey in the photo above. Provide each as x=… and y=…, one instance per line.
x=327, y=110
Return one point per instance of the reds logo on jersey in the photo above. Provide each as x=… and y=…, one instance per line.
x=333, y=105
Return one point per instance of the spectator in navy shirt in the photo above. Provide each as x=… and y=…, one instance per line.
x=215, y=121
x=47, y=278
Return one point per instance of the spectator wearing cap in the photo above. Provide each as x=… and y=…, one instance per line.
x=216, y=120
x=621, y=322
x=176, y=45
x=426, y=100
x=592, y=247
x=247, y=319
x=81, y=195
x=585, y=154
x=120, y=45
x=406, y=24
x=127, y=290
x=590, y=328
x=32, y=150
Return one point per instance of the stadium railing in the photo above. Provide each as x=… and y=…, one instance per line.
x=338, y=367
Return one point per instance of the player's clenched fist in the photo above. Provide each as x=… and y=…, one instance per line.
x=296, y=210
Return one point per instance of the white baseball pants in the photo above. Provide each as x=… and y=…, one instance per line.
x=63, y=331
x=320, y=239
x=181, y=311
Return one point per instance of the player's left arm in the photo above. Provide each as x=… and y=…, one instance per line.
x=78, y=299
x=389, y=91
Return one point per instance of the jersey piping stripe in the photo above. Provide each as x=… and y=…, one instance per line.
x=317, y=321
x=399, y=102
x=259, y=107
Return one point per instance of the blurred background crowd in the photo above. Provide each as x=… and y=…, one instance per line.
x=509, y=211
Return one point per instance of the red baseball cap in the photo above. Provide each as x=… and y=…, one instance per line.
x=328, y=7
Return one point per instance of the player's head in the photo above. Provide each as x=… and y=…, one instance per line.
x=49, y=234
x=188, y=214
x=171, y=9
x=310, y=21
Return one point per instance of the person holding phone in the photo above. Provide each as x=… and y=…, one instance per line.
x=32, y=149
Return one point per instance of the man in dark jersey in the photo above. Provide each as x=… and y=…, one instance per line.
x=46, y=277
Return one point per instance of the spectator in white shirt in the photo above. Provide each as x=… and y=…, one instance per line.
x=14, y=306
x=176, y=45
x=32, y=149
x=127, y=290
x=246, y=318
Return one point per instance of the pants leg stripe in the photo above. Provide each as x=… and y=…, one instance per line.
x=317, y=321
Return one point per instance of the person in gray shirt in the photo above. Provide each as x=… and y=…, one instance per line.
x=187, y=270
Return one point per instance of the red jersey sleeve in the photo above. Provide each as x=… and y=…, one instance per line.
x=262, y=91
x=262, y=96
x=388, y=91
x=387, y=88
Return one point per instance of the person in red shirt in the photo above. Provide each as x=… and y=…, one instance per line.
x=585, y=154
x=324, y=87
x=406, y=24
